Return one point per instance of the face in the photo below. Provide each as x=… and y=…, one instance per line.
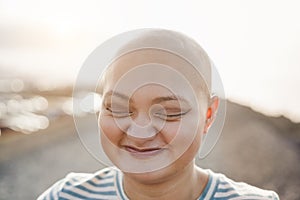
x=153, y=113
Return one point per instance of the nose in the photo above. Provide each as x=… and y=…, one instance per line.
x=141, y=132
x=142, y=127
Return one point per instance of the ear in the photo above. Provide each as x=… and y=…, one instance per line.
x=211, y=112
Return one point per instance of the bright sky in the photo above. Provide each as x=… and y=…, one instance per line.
x=255, y=44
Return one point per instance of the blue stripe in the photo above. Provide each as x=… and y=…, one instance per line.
x=257, y=195
x=228, y=197
x=51, y=195
x=119, y=184
x=100, y=184
x=223, y=182
x=238, y=195
x=93, y=183
x=73, y=194
x=208, y=185
x=101, y=178
x=74, y=179
x=225, y=190
x=216, y=188
x=78, y=196
x=98, y=177
x=81, y=187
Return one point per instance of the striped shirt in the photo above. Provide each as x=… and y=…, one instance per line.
x=106, y=184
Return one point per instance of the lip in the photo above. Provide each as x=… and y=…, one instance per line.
x=143, y=152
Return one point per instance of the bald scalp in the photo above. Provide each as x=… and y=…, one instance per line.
x=145, y=56
x=164, y=47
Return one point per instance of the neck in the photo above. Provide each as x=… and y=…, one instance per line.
x=187, y=183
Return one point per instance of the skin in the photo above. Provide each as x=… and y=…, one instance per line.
x=123, y=123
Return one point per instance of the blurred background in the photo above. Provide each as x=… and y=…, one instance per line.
x=254, y=44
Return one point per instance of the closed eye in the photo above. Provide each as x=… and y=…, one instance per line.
x=119, y=113
x=170, y=117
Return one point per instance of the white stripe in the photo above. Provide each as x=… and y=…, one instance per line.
x=78, y=176
x=244, y=194
x=224, y=186
x=87, y=194
x=119, y=176
x=225, y=194
x=98, y=189
x=67, y=196
x=80, y=181
x=88, y=185
x=59, y=187
x=103, y=181
x=250, y=197
x=106, y=172
x=211, y=188
x=237, y=185
x=72, y=180
x=241, y=190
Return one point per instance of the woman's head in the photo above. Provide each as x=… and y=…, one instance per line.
x=156, y=105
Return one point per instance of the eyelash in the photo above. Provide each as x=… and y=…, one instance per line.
x=168, y=117
x=118, y=112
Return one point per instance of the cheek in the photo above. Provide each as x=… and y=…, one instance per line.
x=170, y=131
x=185, y=136
x=187, y=128
x=110, y=129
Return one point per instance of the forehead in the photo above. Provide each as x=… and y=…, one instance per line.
x=172, y=66
x=176, y=76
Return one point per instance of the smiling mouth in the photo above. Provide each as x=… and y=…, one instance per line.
x=143, y=152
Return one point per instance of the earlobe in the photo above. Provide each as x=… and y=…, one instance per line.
x=211, y=112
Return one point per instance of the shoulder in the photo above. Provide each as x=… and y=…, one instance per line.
x=99, y=185
x=222, y=187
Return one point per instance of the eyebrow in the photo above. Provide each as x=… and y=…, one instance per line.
x=117, y=94
x=156, y=100
x=169, y=98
